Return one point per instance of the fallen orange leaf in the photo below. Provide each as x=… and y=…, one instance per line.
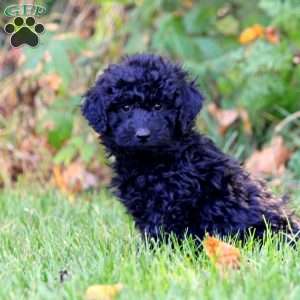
x=250, y=34
x=73, y=179
x=223, y=255
x=103, y=292
x=270, y=160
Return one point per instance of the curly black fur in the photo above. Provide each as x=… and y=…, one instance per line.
x=168, y=176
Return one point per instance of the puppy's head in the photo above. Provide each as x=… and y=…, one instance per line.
x=145, y=101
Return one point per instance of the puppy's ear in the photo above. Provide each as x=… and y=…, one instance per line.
x=191, y=104
x=94, y=110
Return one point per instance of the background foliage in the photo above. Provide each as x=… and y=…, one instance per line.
x=245, y=56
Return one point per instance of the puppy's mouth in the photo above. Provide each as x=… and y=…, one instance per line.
x=146, y=147
x=143, y=147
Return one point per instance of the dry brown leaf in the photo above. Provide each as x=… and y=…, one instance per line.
x=270, y=160
x=32, y=143
x=103, y=292
x=5, y=170
x=246, y=121
x=226, y=117
x=250, y=34
x=51, y=81
x=223, y=255
x=187, y=4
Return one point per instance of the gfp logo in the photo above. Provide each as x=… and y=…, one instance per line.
x=24, y=29
x=24, y=10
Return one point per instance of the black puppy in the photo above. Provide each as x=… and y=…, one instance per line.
x=169, y=177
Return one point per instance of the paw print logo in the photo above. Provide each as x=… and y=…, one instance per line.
x=24, y=31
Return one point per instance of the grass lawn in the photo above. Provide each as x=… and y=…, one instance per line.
x=43, y=234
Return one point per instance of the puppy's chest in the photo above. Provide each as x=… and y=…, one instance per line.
x=159, y=191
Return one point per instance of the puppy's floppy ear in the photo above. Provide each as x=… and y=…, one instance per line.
x=94, y=110
x=191, y=104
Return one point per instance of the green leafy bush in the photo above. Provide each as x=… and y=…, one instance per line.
x=259, y=76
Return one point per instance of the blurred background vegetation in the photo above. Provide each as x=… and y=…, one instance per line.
x=244, y=54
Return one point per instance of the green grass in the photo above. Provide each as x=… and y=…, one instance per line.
x=42, y=234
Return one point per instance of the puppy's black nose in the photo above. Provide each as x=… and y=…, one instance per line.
x=142, y=134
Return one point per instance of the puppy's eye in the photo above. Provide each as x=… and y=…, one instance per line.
x=157, y=106
x=126, y=107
